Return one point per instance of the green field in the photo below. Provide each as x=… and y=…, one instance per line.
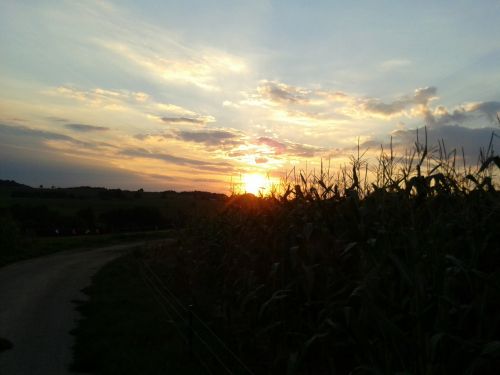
x=38, y=221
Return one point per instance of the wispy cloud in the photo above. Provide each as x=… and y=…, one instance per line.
x=184, y=120
x=20, y=130
x=289, y=148
x=213, y=166
x=125, y=100
x=210, y=137
x=203, y=69
x=40, y=135
x=84, y=128
x=99, y=97
x=394, y=64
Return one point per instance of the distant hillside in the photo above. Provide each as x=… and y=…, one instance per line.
x=54, y=211
x=87, y=192
x=13, y=184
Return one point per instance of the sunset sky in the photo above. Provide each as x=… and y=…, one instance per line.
x=189, y=95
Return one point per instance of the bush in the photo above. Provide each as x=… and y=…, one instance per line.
x=9, y=235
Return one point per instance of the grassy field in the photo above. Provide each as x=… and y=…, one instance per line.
x=27, y=248
x=38, y=221
x=68, y=211
x=124, y=330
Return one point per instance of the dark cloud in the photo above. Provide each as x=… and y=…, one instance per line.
x=20, y=130
x=141, y=137
x=289, y=148
x=199, y=164
x=441, y=116
x=282, y=93
x=454, y=137
x=37, y=135
x=183, y=120
x=466, y=113
x=424, y=95
x=278, y=147
x=387, y=109
x=490, y=109
x=421, y=96
x=236, y=154
x=208, y=137
x=260, y=160
x=303, y=150
x=84, y=128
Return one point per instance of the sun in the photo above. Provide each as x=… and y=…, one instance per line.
x=256, y=183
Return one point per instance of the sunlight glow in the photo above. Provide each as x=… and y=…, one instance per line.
x=256, y=184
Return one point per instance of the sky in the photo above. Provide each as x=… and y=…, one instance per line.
x=198, y=95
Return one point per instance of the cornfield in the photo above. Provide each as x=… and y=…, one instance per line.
x=386, y=270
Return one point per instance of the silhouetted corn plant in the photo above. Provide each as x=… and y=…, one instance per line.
x=394, y=269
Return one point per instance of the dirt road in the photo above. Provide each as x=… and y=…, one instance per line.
x=36, y=312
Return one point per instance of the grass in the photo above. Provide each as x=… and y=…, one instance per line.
x=5, y=344
x=124, y=330
x=24, y=248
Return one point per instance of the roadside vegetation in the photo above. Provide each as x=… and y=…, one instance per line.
x=17, y=248
x=124, y=330
x=40, y=221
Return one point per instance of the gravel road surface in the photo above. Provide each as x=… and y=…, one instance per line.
x=36, y=312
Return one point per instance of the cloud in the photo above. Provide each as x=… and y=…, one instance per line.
x=261, y=160
x=124, y=100
x=83, y=128
x=37, y=135
x=424, y=95
x=102, y=98
x=174, y=109
x=220, y=167
x=289, y=148
x=317, y=106
x=467, y=112
x=394, y=64
x=303, y=150
x=209, y=137
x=278, y=147
x=454, y=137
x=282, y=93
x=490, y=109
x=183, y=120
x=420, y=97
x=201, y=68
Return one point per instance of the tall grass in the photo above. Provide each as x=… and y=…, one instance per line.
x=383, y=270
